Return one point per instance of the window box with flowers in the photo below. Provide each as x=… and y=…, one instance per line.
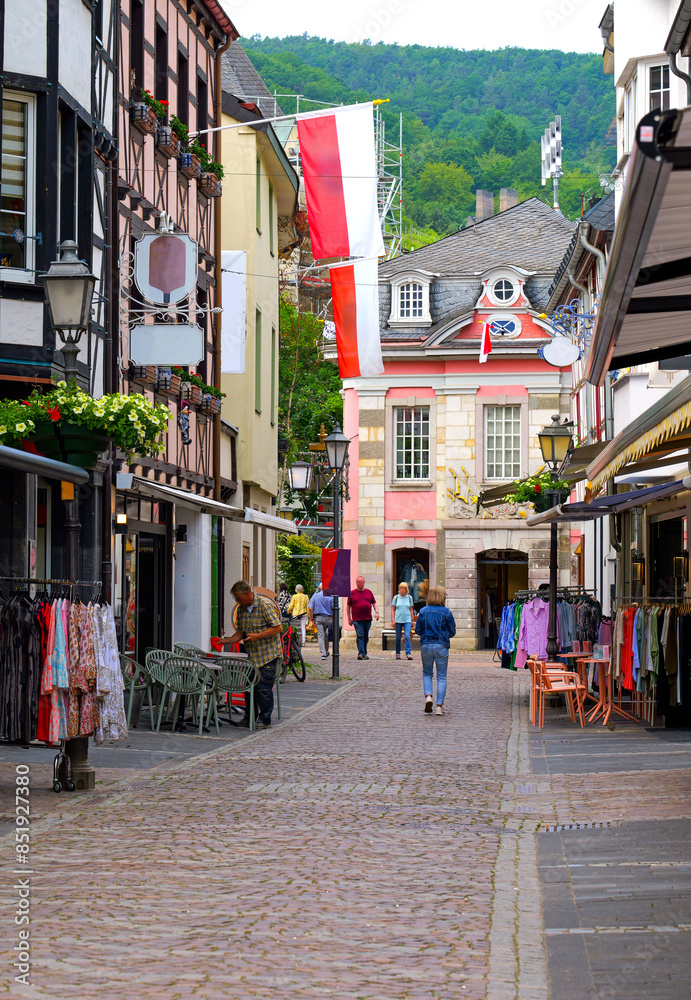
x=144, y=373
x=146, y=113
x=538, y=490
x=189, y=160
x=70, y=426
x=211, y=172
x=194, y=388
x=210, y=404
x=167, y=142
x=166, y=381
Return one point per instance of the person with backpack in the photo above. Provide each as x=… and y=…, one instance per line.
x=435, y=625
x=402, y=619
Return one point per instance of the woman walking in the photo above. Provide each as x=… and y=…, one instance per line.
x=297, y=612
x=435, y=625
x=402, y=618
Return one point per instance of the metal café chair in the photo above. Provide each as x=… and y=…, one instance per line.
x=237, y=677
x=154, y=660
x=187, y=649
x=137, y=681
x=185, y=677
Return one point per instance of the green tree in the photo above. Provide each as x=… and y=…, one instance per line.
x=293, y=571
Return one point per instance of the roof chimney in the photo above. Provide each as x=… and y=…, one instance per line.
x=484, y=205
x=508, y=198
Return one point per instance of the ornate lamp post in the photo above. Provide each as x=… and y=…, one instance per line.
x=69, y=292
x=336, y=453
x=300, y=476
x=555, y=443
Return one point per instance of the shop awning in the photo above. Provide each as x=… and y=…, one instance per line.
x=646, y=298
x=602, y=506
x=38, y=465
x=576, y=463
x=157, y=491
x=662, y=429
x=271, y=521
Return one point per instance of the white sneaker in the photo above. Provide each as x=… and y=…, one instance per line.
x=428, y=703
x=439, y=710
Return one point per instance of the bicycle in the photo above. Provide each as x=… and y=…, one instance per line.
x=292, y=655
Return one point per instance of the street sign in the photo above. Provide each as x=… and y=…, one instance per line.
x=166, y=344
x=165, y=266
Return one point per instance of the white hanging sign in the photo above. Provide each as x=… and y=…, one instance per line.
x=166, y=344
x=165, y=266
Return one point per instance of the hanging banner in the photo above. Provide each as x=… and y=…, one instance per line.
x=355, y=303
x=336, y=572
x=165, y=266
x=233, y=283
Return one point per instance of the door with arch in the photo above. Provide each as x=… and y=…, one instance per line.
x=500, y=573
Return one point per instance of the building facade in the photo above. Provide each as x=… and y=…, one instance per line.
x=438, y=427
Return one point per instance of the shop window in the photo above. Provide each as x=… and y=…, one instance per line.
x=412, y=442
x=17, y=205
x=659, y=88
x=502, y=442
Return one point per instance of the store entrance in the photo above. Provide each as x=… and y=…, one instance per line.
x=411, y=566
x=500, y=573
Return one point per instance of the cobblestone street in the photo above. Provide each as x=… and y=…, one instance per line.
x=363, y=849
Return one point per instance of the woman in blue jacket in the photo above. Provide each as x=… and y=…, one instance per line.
x=435, y=625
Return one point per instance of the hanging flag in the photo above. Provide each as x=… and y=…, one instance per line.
x=485, y=343
x=339, y=169
x=355, y=303
x=336, y=572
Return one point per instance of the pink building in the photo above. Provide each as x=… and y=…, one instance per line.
x=438, y=428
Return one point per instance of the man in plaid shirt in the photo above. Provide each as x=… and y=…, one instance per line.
x=259, y=628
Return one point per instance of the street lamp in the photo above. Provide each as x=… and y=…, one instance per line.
x=300, y=475
x=69, y=288
x=555, y=443
x=336, y=453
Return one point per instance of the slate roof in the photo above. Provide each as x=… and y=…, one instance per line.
x=601, y=215
x=530, y=235
x=240, y=78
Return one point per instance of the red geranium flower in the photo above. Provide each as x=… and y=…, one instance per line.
x=54, y=413
x=538, y=488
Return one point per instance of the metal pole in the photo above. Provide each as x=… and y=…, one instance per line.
x=552, y=647
x=336, y=655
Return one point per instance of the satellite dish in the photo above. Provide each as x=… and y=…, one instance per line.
x=560, y=352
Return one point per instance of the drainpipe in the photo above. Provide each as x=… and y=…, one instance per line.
x=581, y=288
x=218, y=296
x=602, y=263
x=680, y=73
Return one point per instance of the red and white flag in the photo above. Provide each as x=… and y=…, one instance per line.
x=339, y=169
x=355, y=302
x=485, y=343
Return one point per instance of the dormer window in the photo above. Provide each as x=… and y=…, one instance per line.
x=410, y=304
x=410, y=300
x=503, y=290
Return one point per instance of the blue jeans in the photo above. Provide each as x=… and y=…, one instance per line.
x=362, y=635
x=404, y=629
x=434, y=652
x=264, y=691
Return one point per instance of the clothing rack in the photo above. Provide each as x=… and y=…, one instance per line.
x=51, y=582
x=543, y=591
x=628, y=599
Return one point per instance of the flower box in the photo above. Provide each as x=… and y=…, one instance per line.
x=192, y=393
x=210, y=404
x=143, y=118
x=144, y=373
x=70, y=443
x=190, y=165
x=167, y=142
x=210, y=185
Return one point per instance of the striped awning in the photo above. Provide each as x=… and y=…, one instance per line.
x=663, y=428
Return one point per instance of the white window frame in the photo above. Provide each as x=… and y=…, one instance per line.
x=515, y=472
x=410, y=304
x=494, y=298
x=27, y=275
x=414, y=462
x=396, y=320
x=629, y=113
x=663, y=90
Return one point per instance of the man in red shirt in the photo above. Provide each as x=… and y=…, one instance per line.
x=360, y=605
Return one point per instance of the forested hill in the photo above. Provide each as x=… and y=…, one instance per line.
x=471, y=119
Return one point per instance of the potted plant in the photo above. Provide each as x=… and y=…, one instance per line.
x=70, y=426
x=210, y=403
x=167, y=141
x=537, y=489
x=189, y=160
x=210, y=179
x=146, y=112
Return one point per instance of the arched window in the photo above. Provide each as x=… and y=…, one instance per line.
x=410, y=301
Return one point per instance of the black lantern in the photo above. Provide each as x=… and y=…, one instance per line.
x=69, y=288
x=555, y=442
x=300, y=475
x=336, y=448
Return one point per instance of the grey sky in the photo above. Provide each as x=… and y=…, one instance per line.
x=570, y=25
